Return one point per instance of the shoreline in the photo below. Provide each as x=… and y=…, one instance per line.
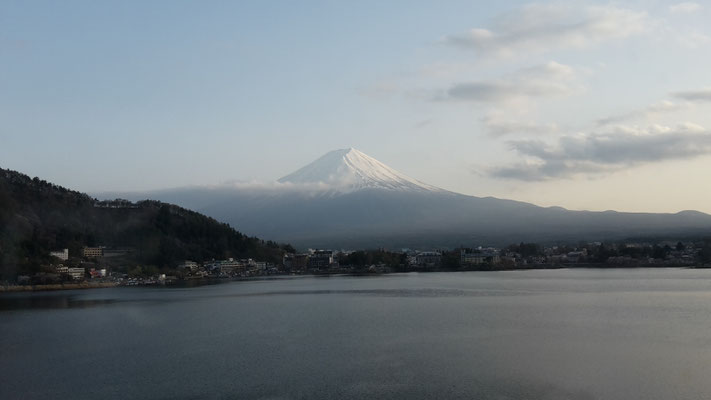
x=56, y=286
x=214, y=281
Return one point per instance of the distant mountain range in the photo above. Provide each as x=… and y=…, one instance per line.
x=346, y=199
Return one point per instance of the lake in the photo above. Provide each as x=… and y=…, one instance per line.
x=542, y=334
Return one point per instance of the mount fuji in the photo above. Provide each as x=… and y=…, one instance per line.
x=348, y=170
x=347, y=199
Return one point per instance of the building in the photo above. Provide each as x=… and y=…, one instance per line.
x=479, y=257
x=76, y=273
x=428, y=258
x=320, y=259
x=60, y=254
x=93, y=252
x=226, y=267
x=97, y=273
x=231, y=266
x=188, y=265
x=296, y=262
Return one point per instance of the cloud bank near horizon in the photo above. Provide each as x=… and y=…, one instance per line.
x=602, y=153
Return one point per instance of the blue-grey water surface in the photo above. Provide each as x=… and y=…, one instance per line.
x=554, y=334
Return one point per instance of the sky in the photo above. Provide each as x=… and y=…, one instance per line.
x=585, y=105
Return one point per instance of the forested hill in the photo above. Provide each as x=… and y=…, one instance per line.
x=37, y=217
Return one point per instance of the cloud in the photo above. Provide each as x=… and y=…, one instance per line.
x=666, y=106
x=685, y=7
x=702, y=95
x=499, y=125
x=551, y=79
x=546, y=27
x=595, y=154
x=653, y=110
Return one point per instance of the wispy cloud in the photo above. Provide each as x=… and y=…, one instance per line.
x=593, y=154
x=547, y=27
x=499, y=124
x=653, y=110
x=701, y=95
x=685, y=7
x=551, y=79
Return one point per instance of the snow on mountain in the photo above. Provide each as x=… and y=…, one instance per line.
x=347, y=170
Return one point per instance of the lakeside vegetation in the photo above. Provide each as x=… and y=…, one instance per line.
x=37, y=217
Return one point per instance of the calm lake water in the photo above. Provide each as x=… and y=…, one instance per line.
x=560, y=334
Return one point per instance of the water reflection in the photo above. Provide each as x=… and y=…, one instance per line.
x=28, y=301
x=44, y=301
x=551, y=335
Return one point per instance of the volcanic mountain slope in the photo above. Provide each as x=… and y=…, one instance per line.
x=346, y=199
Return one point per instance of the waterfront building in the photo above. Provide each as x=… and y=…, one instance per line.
x=428, y=258
x=76, y=273
x=231, y=266
x=320, y=259
x=296, y=262
x=188, y=265
x=478, y=257
x=61, y=254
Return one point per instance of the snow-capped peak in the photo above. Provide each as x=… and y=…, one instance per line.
x=350, y=169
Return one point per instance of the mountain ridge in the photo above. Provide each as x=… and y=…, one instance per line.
x=346, y=199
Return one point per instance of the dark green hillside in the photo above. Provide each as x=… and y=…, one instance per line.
x=37, y=217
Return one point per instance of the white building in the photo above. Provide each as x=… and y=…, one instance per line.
x=61, y=254
x=231, y=266
x=188, y=265
x=76, y=273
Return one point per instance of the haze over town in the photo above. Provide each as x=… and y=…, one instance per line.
x=585, y=105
